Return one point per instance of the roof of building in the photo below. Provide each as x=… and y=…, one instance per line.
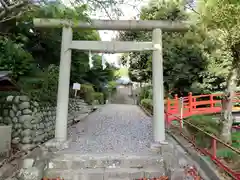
x=7, y=83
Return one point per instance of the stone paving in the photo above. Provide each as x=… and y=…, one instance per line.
x=114, y=128
x=114, y=143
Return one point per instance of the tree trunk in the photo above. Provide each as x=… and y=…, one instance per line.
x=227, y=101
x=227, y=118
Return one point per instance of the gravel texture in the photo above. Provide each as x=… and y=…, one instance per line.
x=117, y=129
x=114, y=128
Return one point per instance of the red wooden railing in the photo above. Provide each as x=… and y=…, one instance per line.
x=202, y=104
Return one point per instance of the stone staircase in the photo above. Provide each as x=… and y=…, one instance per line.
x=170, y=161
x=105, y=166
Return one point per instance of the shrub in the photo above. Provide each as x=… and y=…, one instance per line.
x=147, y=104
x=146, y=92
x=42, y=87
x=112, y=86
x=87, y=93
x=110, y=89
x=99, y=97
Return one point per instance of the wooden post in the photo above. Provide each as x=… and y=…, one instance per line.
x=168, y=105
x=181, y=111
x=194, y=103
x=168, y=109
x=211, y=101
x=75, y=93
x=176, y=103
x=214, y=147
x=190, y=100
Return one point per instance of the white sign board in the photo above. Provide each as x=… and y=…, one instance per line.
x=76, y=86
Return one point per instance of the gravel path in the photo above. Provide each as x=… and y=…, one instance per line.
x=114, y=128
x=125, y=130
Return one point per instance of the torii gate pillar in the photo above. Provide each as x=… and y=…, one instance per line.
x=114, y=47
x=63, y=85
x=158, y=88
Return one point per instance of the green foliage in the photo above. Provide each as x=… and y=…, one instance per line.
x=98, y=76
x=226, y=154
x=112, y=86
x=147, y=104
x=33, y=54
x=146, y=92
x=14, y=58
x=236, y=139
x=99, y=97
x=87, y=93
x=122, y=72
x=207, y=124
x=42, y=88
x=182, y=53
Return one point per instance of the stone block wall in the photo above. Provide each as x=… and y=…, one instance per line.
x=31, y=123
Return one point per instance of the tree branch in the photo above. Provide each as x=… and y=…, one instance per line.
x=12, y=8
x=189, y=6
x=4, y=5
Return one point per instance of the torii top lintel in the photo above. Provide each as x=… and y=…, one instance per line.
x=146, y=25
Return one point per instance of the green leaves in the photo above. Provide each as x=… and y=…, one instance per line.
x=14, y=58
x=182, y=52
x=33, y=54
x=224, y=16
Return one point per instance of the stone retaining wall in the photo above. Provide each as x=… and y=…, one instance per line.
x=33, y=124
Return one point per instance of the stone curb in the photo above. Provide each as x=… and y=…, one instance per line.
x=194, y=155
x=204, y=165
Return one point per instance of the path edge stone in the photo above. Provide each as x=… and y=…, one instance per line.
x=194, y=155
x=205, y=166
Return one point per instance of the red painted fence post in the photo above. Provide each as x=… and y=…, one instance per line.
x=168, y=105
x=168, y=108
x=214, y=148
x=211, y=101
x=190, y=100
x=176, y=103
x=194, y=103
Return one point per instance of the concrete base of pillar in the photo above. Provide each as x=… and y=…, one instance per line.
x=156, y=146
x=57, y=145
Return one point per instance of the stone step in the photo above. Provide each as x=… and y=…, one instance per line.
x=73, y=161
x=79, y=117
x=105, y=173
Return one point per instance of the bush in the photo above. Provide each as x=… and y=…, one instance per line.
x=42, y=87
x=99, y=97
x=146, y=92
x=87, y=93
x=147, y=104
x=110, y=89
x=112, y=86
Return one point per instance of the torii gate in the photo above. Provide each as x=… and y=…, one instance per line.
x=111, y=47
